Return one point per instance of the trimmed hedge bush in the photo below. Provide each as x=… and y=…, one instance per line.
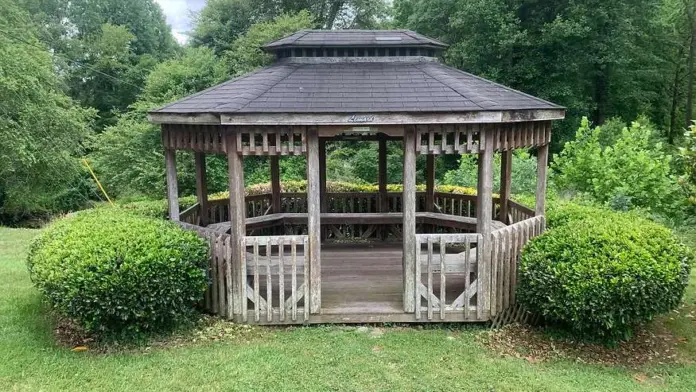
x=115, y=273
x=601, y=273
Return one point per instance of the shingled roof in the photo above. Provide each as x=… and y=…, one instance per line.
x=383, y=83
x=354, y=38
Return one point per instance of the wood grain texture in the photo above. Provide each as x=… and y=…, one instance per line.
x=172, y=186
x=235, y=167
x=275, y=184
x=201, y=187
x=505, y=185
x=430, y=183
x=409, y=218
x=542, y=164
x=314, y=219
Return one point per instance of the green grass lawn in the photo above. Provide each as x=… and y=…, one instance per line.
x=311, y=358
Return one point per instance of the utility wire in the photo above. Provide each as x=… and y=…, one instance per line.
x=7, y=35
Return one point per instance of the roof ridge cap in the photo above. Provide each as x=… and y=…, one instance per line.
x=503, y=86
x=295, y=68
x=226, y=82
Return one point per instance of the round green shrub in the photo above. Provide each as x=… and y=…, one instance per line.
x=116, y=273
x=601, y=273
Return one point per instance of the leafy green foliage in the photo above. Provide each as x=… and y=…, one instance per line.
x=601, y=273
x=603, y=58
x=523, y=180
x=105, y=48
x=118, y=274
x=222, y=22
x=245, y=54
x=159, y=208
x=41, y=128
x=687, y=161
x=128, y=156
x=633, y=172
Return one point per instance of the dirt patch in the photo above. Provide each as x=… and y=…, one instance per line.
x=650, y=345
x=206, y=329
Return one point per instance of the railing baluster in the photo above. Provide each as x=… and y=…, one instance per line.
x=294, y=279
x=419, y=260
x=443, y=301
x=257, y=301
x=467, y=277
x=269, y=282
x=430, y=278
x=281, y=279
x=305, y=279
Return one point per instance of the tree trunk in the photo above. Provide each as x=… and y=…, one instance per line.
x=690, y=66
x=599, y=114
x=675, y=102
x=336, y=6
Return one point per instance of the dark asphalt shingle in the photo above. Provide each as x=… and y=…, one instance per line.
x=356, y=87
x=354, y=38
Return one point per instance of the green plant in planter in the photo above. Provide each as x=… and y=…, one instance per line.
x=601, y=273
x=116, y=273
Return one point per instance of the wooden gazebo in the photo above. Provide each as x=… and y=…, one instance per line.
x=320, y=257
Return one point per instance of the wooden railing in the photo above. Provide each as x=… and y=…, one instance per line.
x=293, y=202
x=518, y=212
x=258, y=205
x=217, y=295
x=461, y=205
x=191, y=215
x=352, y=202
x=506, y=246
x=457, y=272
x=266, y=256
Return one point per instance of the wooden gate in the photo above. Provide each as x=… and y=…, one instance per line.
x=277, y=277
x=455, y=272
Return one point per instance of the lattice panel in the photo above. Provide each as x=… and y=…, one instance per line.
x=199, y=138
x=272, y=140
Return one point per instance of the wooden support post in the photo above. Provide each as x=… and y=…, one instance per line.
x=505, y=182
x=382, y=176
x=430, y=183
x=484, y=216
x=313, y=219
x=172, y=186
x=236, y=282
x=542, y=162
x=409, y=219
x=322, y=176
x=275, y=184
x=201, y=187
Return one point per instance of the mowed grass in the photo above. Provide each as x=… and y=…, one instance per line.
x=305, y=358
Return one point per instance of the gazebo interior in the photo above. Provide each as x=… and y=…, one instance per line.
x=317, y=256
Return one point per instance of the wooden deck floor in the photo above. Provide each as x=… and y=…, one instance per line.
x=361, y=278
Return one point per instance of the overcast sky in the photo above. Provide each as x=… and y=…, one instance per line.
x=178, y=14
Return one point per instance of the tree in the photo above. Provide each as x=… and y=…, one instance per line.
x=245, y=53
x=597, y=57
x=105, y=47
x=128, y=155
x=41, y=128
x=633, y=172
x=221, y=22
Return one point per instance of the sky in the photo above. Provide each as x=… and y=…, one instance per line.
x=178, y=13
